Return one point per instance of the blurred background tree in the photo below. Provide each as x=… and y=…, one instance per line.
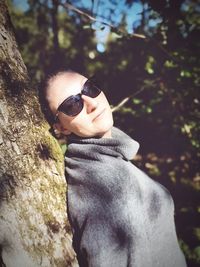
x=159, y=76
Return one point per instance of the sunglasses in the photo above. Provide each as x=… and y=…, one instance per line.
x=73, y=105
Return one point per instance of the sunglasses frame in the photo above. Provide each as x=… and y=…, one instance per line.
x=80, y=99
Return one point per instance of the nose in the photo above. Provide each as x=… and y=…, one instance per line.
x=90, y=103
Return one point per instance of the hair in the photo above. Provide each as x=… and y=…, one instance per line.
x=43, y=88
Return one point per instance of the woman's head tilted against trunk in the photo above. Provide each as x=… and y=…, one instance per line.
x=74, y=104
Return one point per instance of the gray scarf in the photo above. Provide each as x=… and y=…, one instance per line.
x=119, y=216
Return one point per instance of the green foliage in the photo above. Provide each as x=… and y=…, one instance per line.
x=164, y=116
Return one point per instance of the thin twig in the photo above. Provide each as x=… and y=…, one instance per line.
x=77, y=10
x=123, y=102
x=164, y=50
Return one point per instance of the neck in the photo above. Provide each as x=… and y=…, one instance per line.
x=107, y=134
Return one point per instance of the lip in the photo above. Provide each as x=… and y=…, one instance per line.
x=99, y=114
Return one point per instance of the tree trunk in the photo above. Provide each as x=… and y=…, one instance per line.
x=34, y=230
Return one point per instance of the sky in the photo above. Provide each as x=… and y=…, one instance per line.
x=21, y=4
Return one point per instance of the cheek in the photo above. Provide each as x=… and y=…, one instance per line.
x=104, y=102
x=80, y=122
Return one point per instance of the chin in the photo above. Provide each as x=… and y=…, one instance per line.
x=105, y=127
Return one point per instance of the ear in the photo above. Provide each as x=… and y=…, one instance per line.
x=59, y=129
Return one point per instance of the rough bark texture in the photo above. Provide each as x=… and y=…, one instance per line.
x=34, y=230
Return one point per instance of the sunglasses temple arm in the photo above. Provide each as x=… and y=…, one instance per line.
x=56, y=117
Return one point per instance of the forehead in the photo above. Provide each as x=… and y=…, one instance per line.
x=63, y=86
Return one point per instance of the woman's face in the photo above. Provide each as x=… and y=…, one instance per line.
x=95, y=119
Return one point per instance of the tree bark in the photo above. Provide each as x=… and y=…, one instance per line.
x=34, y=229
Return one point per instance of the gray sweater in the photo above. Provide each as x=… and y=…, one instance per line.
x=119, y=216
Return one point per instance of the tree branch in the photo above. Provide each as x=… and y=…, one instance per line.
x=115, y=29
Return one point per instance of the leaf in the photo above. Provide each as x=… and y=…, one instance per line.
x=87, y=26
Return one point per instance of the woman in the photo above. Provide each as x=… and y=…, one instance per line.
x=119, y=216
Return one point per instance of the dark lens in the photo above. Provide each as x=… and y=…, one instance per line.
x=72, y=106
x=90, y=89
